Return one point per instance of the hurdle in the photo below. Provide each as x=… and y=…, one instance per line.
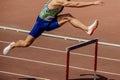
x=70, y=48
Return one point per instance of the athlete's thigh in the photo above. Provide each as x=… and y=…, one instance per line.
x=59, y=21
x=39, y=27
x=63, y=18
x=29, y=39
x=53, y=25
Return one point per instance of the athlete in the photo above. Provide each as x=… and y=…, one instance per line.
x=49, y=19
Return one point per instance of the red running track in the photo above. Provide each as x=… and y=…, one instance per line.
x=46, y=58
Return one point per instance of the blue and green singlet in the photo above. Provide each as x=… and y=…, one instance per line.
x=47, y=14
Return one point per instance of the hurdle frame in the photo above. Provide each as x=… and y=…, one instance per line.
x=70, y=48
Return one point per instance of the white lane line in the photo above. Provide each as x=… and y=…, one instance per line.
x=59, y=65
x=79, y=54
x=23, y=75
x=58, y=36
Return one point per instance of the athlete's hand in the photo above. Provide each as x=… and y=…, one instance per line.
x=98, y=2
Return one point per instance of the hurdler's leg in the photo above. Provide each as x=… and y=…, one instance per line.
x=20, y=43
x=62, y=19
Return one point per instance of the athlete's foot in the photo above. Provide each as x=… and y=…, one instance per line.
x=8, y=48
x=92, y=27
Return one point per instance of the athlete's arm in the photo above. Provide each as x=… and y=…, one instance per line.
x=79, y=4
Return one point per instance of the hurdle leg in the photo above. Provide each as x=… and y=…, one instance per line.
x=78, y=46
x=67, y=67
x=95, y=60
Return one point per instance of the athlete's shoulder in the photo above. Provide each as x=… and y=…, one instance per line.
x=59, y=2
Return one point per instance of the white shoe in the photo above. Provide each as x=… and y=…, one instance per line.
x=8, y=48
x=92, y=27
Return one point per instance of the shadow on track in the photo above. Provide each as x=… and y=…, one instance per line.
x=99, y=77
x=27, y=79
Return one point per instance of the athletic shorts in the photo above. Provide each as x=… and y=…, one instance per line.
x=42, y=25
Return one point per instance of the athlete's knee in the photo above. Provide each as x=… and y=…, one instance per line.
x=64, y=18
x=68, y=16
x=24, y=43
x=27, y=44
